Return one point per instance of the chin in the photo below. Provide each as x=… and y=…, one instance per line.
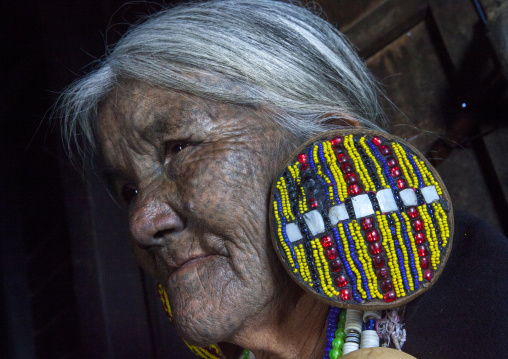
x=200, y=323
x=207, y=305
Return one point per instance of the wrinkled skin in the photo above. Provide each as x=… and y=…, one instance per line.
x=202, y=171
x=196, y=176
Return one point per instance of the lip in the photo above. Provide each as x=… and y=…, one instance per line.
x=192, y=263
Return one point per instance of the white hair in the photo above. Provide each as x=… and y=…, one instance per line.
x=278, y=55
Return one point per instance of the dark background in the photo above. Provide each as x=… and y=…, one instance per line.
x=70, y=287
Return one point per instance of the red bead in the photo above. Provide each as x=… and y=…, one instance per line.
x=351, y=178
x=375, y=248
x=367, y=223
x=336, y=265
x=412, y=212
x=419, y=237
x=417, y=224
x=331, y=253
x=424, y=262
x=313, y=203
x=377, y=141
x=428, y=275
x=386, y=285
x=342, y=158
x=373, y=235
x=341, y=281
x=422, y=251
x=378, y=261
x=345, y=294
x=354, y=189
x=346, y=168
x=385, y=150
x=395, y=172
x=336, y=141
x=382, y=273
x=304, y=167
x=326, y=241
x=389, y=297
x=401, y=183
x=391, y=161
x=302, y=158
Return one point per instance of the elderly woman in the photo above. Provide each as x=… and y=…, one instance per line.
x=194, y=112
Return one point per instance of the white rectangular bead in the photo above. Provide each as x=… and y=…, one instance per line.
x=408, y=196
x=362, y=206
x=338, y=213
x=315, y=222
x=293, y=232
x=430, y=194
x=386, y=201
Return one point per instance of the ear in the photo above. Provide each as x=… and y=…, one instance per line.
x=342, y=120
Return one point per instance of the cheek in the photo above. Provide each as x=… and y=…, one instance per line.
x=226, y=186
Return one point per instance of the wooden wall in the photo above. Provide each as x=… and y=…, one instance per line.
x=440, y=70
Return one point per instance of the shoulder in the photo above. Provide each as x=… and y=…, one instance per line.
x=464, y=314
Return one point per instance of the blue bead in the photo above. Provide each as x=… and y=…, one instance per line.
x=370, y=324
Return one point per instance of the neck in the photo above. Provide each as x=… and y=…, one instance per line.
x=297, y=330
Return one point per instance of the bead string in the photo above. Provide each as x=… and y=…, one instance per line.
x=281, y=228
x=349, y=330
x=344, y=258
x=336, y=173
x=412, y=246
x=314, y=163
x=386, y=169
x=322, y=268
x=304, y=268
x=350, y=259
x=373, y=158
x=335, y=333
x=211, y=352
x=361, y=170
x=395, y=229
x=334, y=195
x=365, y=259
x=403, y=162
x=391, y=254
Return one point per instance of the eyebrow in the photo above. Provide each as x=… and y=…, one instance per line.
x=161, y=124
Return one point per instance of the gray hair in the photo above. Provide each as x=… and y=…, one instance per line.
x=279, y=56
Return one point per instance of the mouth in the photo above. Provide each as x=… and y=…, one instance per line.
x=191, y=263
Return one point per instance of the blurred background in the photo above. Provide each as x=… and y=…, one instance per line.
x=70, y=287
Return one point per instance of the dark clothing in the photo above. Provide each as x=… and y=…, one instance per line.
x=465, y=314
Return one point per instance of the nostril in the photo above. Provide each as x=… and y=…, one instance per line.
x=162, y=234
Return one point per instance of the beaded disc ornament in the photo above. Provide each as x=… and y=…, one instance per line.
x=361, y=219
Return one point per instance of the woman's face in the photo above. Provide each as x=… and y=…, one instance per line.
x=196, y=176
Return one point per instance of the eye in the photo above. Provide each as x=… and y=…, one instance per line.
x=174, y=147
x=128, y=193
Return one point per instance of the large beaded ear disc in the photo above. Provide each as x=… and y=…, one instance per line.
x=361, y=219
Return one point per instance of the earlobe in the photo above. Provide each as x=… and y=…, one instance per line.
x=361, y=220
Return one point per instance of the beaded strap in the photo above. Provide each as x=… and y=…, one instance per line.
x=350, y=330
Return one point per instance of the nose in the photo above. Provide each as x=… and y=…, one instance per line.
x=152, y=221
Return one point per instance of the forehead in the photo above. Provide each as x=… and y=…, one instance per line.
x=138, y=118
x=140, y=108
